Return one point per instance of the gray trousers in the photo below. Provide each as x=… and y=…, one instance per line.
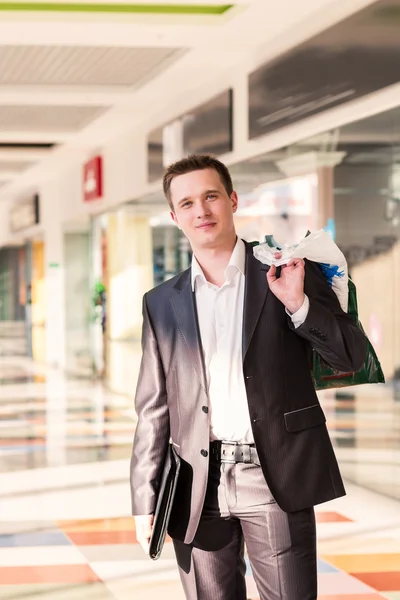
x=239, y=508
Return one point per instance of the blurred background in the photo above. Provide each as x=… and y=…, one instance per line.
x=302, y=102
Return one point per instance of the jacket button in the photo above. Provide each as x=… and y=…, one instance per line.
x=204, y=453
x=204, y=409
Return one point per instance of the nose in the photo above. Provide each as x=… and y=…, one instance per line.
x=203, y=209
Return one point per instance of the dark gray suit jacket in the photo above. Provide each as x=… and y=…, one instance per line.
x=288, y=423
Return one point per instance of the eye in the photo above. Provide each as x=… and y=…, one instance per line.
x=211, y=196
x=187, y=204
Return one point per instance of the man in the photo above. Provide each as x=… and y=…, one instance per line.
x=225, y=375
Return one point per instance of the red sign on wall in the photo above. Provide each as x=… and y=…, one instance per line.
x=93, y=179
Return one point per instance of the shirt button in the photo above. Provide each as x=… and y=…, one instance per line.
x=204, y=453
x=204, y=409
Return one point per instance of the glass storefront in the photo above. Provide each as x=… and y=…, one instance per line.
x=171, y=252
x=121, y=272
x=38, y=302
x=12, y=278
x=133, y=248
x=364, y=218
x=97, y=293
x=13, y=338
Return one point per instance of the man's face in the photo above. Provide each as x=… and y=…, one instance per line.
x=203, y=209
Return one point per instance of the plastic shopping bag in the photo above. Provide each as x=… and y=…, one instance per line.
x=318, y=248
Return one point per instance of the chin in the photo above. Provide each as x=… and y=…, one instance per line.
x=206, y=238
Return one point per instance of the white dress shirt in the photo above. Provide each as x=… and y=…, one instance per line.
x=220, y=315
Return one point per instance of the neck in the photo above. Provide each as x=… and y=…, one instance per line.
x=214, y=261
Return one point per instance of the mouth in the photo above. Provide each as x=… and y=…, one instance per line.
x=206, y=226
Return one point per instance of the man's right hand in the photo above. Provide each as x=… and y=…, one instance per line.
x=144, y=527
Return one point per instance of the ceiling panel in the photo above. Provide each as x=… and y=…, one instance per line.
x=6, y=165
x=83, y=66
x=47, y=118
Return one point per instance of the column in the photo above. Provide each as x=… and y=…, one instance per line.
x=55, y=339
x=173, y=147
x=50, y=206
x=130, y=275
x=326, y=197
x=130, y=272
x=320, y=164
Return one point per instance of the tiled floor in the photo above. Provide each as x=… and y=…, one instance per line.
x=99, y=558
x=65, y=526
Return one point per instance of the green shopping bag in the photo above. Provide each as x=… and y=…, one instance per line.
x=325, y=377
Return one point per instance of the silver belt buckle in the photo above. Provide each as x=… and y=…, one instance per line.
x=228, y=458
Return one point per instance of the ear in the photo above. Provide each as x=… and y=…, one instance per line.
x=174, y=218
x=235, y=201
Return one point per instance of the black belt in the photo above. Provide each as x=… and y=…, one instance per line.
x=232, y=452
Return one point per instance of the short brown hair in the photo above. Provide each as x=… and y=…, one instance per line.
x=196, y=162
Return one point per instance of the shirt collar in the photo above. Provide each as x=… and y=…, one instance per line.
x=236, y=263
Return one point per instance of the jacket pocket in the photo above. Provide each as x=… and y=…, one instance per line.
x=311, y=416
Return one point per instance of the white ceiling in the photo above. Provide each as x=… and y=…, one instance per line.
x=70, y=80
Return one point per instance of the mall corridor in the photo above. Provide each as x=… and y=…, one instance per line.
x=65, y=527
x=300, y=104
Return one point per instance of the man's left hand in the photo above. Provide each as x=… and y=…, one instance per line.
x=289, y=287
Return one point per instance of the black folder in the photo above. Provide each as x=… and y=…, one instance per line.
x=166, y=494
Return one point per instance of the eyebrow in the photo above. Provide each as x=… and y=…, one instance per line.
x=205, y=193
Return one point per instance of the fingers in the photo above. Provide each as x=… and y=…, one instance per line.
x=296, y=262
x=144, y=527
x=144, y=543
x=271, y=274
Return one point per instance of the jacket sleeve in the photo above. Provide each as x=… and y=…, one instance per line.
x=152, y=430
x=330, y=330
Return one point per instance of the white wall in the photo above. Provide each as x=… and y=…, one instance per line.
x=124, y=177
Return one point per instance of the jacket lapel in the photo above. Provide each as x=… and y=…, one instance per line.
x=185, y=313
x=256, y=292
